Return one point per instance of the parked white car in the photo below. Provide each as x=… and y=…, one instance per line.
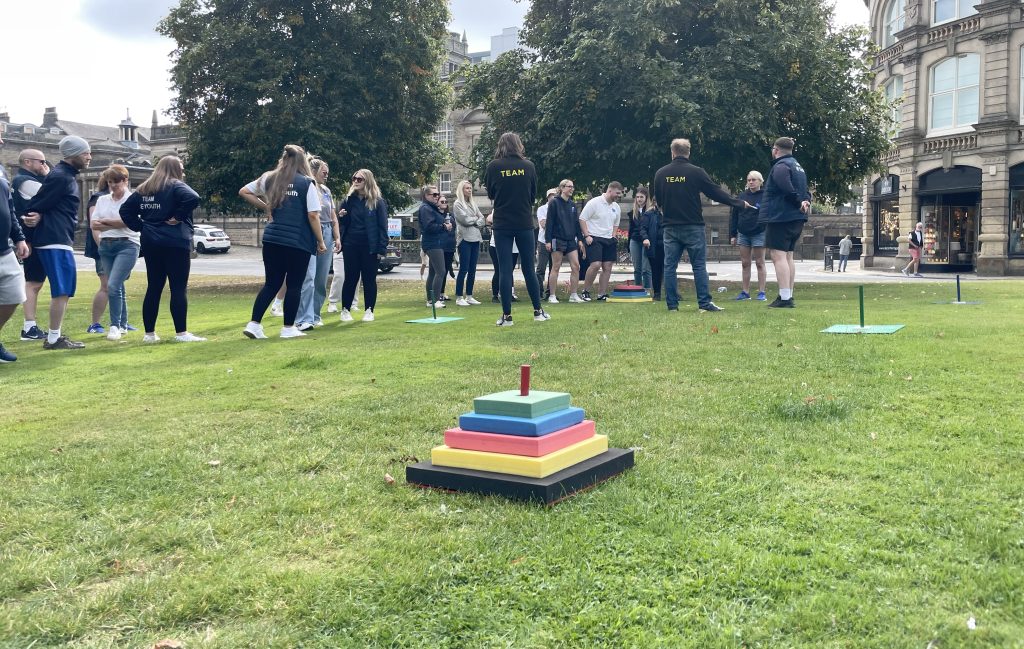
x=209, y=238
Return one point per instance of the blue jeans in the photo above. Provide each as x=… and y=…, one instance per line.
x=641, y=264
x=469, y=254
x=314, y=287
x=119, y=259
x=690, y=238
x=525, y=240
x=843, y=260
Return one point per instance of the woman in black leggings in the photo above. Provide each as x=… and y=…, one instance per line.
x=161, y=208
x=364, y=239
x=291, y=201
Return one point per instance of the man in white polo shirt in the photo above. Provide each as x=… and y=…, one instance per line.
x=598, y=220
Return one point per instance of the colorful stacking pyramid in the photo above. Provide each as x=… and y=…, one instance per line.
x=528, y=445
x=629, y=293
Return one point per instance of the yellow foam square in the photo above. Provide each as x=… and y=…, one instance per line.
x=530, y=467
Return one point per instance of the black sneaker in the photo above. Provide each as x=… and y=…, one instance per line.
x=602, y=298
x=6, y=356
x=656, y=297
x=494, y=298
x=63, y=343
x=505, y=321
x=586, y=296
x=33, y=333
x=775, y=303
x=711, y=307
x=515, y=298
x=779, y=303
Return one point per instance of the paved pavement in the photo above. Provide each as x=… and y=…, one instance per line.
x=247, y=261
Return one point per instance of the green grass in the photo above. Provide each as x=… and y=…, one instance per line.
x=792, y=489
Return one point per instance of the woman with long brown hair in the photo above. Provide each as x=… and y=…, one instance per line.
x=161, y=208
x=291, y=201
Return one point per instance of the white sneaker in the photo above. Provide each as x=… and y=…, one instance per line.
x=439, y=304
x=355, y=306
x=462, y=302
x=541, y=316
x=332, y=308
x=276, y=311
x=505, y=322
x=905, y=273
x=113, y=333
x=346, y=316
x=471, y=300
x=254, y=330
x=189, y=337
x=291, y=332
x=368, y=316
x=575, y=299
x=552, y=299
x=151, y=338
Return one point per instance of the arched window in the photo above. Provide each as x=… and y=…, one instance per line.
x=944, y=11
x=894, y=96
x=895, y=21
x=954, y=93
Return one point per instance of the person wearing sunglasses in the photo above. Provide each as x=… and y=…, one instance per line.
x=449, y=243
x=748, y=234
x=434, y=227
x=32, y=172
x=364, y=239
x=314, y=288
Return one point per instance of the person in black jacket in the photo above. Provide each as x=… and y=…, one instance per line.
x=637, y=250
x=161, y=209
x=653, y=239
x=677, y=189
x=57, y=203
x=364, y=240
x=748, y=234
x=564, y=238
x=291, y=201
x=12, y=283
x=434, y=227
x=511, y=182
x=31, y=174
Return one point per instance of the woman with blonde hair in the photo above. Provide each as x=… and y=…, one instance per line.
x=314, y=288
x=364, y=238
x=161, y=208
x=469, y=221
x=118, y=246
x=291, y=201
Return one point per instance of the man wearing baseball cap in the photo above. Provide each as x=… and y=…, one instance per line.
x=56, y=204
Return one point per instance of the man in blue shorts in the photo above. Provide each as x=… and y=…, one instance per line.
x=56, y=204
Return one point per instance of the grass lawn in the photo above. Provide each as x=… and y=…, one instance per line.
x=792, y=489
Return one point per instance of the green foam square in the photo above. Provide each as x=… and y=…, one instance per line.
x=857, y=329
x=439, y=320
x=511, y=404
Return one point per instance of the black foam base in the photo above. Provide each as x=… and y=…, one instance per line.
x=549, y=490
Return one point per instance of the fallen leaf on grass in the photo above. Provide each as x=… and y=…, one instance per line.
x=874, y=436
x=213, y=463
x=714, y=329
x=230, y=370
x=908, y=378
x=972, y=624
x=169, y=644
x=388, y=479
x=796, y=347
x=941, y=334
x=534, y=356
x=809, y=400
x=57, y=450
x=231, y=503
x=717, y=369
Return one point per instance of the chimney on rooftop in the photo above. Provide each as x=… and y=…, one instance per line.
x=50, y=117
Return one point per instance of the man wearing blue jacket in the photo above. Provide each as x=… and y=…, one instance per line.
x=787, y=202
x=57, y=203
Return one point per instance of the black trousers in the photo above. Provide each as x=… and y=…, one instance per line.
x=282, y=265
x=360, y=263
x=165, y=265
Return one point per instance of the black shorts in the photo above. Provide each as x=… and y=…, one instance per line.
x=602, y=249
x=783, y=236
x=34, y=271
x=564, y=246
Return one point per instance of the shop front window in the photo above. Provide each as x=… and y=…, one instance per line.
x=1017, y=223
x=885, y=203
x=950, y=232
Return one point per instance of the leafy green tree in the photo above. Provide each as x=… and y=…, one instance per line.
x=609, y=83
x=355, y=83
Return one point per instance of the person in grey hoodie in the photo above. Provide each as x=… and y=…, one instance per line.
x=469, y=221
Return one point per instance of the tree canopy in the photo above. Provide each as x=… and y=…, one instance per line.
x=355, y=83
x=607, y=84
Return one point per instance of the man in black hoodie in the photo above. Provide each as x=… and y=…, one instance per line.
x=12, y=284
x=31, y=174
x=57, y=203
x=677, y=188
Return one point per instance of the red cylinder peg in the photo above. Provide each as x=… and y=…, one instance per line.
x=524, y=380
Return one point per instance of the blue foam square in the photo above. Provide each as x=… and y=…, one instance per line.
x=532, y=427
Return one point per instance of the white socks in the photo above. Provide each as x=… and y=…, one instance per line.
x=786, y=293
x=28, y=325
x=52, y=335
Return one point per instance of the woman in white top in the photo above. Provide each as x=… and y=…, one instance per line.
x=469, y=221
x=118, y=246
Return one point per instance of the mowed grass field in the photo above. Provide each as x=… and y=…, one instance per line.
x=791, y=488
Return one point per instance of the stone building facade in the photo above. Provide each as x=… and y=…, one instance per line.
x=954, y=69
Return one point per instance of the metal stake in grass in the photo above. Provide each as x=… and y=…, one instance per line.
x=862, y=329
x=433, y=312
x=959, y=299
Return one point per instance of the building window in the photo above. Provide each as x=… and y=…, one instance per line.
x=944, y=11
x=955, y=91
x=894, y=97
x=885, y=203
x=895, y=21
x=1022, y=85
x=445, y=134
x=1017, y=223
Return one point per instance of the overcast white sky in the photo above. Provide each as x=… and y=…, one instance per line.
x=95, y=59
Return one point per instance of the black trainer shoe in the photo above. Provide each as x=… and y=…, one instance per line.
x=494, y=298
x=33, y=333
x=63, y=343
x=602, y=298
x=711, y=307
x=779, y=303
x=6, y=356
x=775, y=303
x=586, y=296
